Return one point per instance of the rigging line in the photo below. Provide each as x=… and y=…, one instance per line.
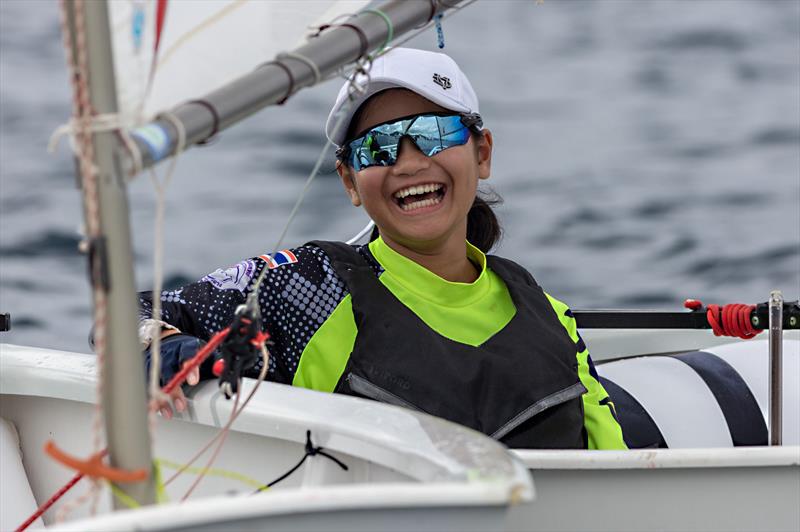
x=389, y=26
x=77, y=60
x=311, y=450
x=410, y=35
x=99, y=123
x=214, y=472
x=252, y=298
x=234, y=415
x=214, y=455
x=213, y=19
x=303, y=59
x=340, y=72
x=158, y=263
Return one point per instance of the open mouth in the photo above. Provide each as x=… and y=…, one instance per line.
x=420, y=196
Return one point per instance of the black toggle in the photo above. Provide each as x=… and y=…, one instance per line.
x=240, y=349
x=98, y=263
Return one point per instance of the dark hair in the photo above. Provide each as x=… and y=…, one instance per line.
x=483, y=227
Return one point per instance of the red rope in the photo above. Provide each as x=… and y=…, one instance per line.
x=198, y=359
x=727, y=320
x=51, y=501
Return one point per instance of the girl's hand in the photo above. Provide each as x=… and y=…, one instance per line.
x=176, y=351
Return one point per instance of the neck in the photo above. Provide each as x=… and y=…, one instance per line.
x=447, y=259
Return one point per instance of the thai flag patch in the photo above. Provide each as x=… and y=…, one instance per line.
x=279, y=259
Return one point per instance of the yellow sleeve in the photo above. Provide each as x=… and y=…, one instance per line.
x=599, y=416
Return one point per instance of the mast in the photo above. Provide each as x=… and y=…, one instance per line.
x=111, y=261
x=110, y=255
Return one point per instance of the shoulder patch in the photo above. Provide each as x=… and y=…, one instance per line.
x=236, y=277
x=279, y=259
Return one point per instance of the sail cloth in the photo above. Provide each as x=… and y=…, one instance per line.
x=202, y=45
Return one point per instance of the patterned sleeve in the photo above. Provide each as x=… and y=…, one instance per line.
x=297, y=294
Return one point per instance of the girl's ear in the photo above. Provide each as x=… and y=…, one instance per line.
x=485, y=143
x=348, y=182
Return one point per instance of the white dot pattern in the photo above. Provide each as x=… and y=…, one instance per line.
x=295, y=300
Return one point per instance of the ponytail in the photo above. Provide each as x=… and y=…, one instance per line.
x=483, y=227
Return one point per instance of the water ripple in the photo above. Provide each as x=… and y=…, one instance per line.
x=49, y=244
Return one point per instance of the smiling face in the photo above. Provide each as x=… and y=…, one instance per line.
x=419, y=203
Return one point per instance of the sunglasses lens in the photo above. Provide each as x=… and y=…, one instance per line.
x=430, y=133
x=437, y=133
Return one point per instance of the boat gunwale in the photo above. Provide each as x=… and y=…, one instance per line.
x=444, y=453
x=711, y=457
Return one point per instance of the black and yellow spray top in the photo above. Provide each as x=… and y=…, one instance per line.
x=498, y=354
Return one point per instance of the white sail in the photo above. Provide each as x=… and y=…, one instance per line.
x=204, y=44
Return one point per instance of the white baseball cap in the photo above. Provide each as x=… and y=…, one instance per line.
x=432, y=75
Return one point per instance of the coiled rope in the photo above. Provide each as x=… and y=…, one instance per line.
x=727, y=320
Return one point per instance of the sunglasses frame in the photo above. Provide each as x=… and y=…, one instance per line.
x=471, y=121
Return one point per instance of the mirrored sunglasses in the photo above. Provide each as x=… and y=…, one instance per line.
x=431, y=133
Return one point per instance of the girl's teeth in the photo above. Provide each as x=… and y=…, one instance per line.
x=421, y=189
x=420, y=204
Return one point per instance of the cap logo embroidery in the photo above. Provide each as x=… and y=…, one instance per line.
x=442, y=81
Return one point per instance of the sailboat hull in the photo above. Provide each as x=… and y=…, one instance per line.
x=405, y=470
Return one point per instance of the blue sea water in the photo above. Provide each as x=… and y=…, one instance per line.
x=647, y=151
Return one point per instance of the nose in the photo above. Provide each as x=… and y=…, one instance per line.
x=410, y=160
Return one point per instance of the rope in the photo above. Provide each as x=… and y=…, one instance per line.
x=303, y=59
x=214, y=472
x=50, y=502
x=252, y=298
x=216, y=452
x=289, y=74
x=86, y=123
x=727, y=320
x=221, y=434
x=83, y=115
x=198, y=359
x=362, y=37
x=99, y=123
x=311, y=450
x=158, y=262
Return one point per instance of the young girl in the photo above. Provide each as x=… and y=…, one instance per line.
x=420, y=317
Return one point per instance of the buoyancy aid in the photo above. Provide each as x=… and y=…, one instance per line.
x=520, y=387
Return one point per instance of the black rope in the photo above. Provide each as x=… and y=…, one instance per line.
x=214, y=125
x=310, y=451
